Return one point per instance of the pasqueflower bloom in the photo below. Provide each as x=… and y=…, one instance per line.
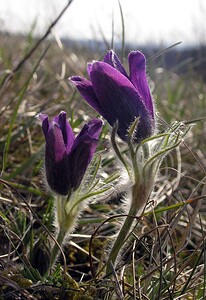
x=67, y=157
x=119, y=97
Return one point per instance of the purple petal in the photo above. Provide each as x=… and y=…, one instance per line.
x=58, y=175
x=86, y=89
x=92, y=129
x=95, y=128
x=56, y=161
x=119, y=99
x=66, y=130
x=45, y=123
x=137, y=66
x=55, y=143
x=41, y=117
x=90, y=132
x=112, y=59
x=79, y=160
x=83, y=150
x=89, y=67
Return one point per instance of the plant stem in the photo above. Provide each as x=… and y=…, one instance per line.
x=138, y=197
x=55, y=251
x=66, y=221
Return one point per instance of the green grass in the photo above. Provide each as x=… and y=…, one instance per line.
x=165, y=257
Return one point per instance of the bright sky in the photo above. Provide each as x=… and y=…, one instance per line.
x=158, y=21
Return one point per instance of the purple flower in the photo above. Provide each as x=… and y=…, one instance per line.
x=118, y=96
x=67, y=157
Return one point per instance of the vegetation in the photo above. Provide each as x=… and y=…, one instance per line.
x=165, y=257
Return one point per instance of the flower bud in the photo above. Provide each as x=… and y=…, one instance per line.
x=67, y=157
x=40, y=258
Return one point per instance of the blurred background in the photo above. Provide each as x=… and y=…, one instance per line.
x=146, y=22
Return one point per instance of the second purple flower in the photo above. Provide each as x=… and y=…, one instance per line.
x=67, y=157
x=118, y=96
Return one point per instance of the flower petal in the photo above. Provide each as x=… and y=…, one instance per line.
x=55, y=142
x=119, y=99
x=137, y=66
x=58, y=175
x=67, y=132
x=83, y=150
x=45, y=123
x=92, y=129
x=89, y=67
x=86, y=89
x=112, y=59
x=56, y=161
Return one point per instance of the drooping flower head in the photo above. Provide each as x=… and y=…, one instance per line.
x=118, y=96
x=67, y=157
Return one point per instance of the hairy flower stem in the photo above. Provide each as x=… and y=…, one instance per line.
x=55, y=251
x=138, y=199
x=66, y=221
